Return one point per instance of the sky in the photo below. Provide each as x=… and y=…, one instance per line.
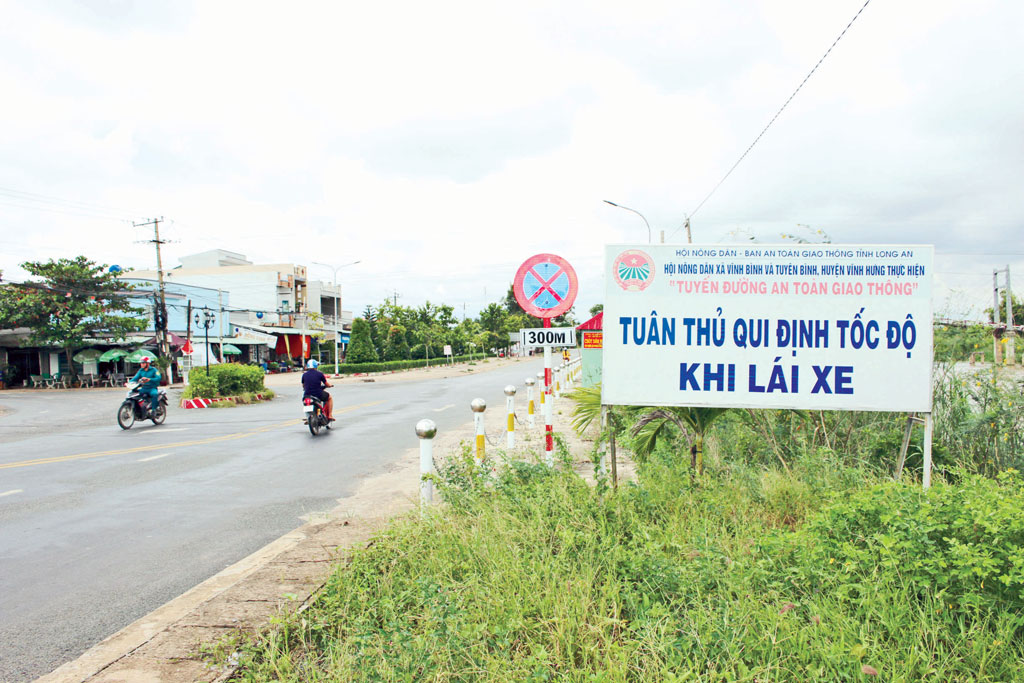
x=442, y=144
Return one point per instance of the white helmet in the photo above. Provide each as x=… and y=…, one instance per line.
x=312, y=363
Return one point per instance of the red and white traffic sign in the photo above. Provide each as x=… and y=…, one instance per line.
x=545, y=286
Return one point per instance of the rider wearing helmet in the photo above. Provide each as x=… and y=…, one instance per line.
x=313, y=383
x=148, y=378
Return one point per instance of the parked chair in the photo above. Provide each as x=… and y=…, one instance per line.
x=118, y=379
x=36, y=381
x=59, y=380
x=88, y=379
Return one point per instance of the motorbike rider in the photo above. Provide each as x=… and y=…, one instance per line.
x=148, y=378
x=313, y=383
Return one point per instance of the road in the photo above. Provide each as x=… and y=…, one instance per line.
x=100, y=526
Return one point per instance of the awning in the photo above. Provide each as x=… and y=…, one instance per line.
x=595, y=323
x=173, y=339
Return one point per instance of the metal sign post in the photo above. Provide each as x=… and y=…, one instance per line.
x=546, y=286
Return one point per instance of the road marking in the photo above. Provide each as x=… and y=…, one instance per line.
x=155, y=457
x=164, y=431
x=11, y=492
x=438, y=410
x=181, y=444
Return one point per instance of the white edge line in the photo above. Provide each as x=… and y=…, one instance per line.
x=11, y=492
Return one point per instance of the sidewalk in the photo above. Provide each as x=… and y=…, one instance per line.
x=167, y=645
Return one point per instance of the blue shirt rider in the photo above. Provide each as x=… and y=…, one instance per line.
x=148, y=378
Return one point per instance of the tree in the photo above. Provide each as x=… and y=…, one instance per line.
x=397, y=347
x=1018, y=310
x=76, y=300
x=695, y=421
x=595, y=309
x=360, y=348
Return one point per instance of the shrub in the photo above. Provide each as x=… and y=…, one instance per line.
x=228, y=379
x=200, y=385
x=962, y=542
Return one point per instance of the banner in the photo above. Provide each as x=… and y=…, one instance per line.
x=829, y=327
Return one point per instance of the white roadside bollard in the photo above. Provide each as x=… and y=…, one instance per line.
x=478, y=406
x=426, y=430
x=529, y=401
x=510, y=407
x=540, y=377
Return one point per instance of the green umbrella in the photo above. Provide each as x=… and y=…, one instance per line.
x=230, y=349
x=112, y=354
x=137, y=355
x=87, y=356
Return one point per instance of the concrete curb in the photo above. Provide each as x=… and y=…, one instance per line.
x=192, y=403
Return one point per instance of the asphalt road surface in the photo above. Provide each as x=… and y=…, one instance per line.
x=100, y=526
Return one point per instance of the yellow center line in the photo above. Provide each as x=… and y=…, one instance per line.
x=180, y=444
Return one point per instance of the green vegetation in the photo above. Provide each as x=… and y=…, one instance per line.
x=822, y=573
x=793, y=557
x=227, y=379
x=389, y=366
x=955, y=344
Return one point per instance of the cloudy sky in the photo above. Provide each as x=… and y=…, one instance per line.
x=441, y=144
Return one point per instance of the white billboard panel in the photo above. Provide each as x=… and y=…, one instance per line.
x=823, y=326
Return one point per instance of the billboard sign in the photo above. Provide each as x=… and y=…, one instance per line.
x=592, y=340
x=806, y=326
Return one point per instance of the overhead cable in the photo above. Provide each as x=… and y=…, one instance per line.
x=765, y=129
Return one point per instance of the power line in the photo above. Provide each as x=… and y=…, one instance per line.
x=765, y=129
x=20, y=195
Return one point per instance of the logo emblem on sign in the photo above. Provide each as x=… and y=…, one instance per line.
x=633, y=270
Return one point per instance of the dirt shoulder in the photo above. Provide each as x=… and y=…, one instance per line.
x=168, y=644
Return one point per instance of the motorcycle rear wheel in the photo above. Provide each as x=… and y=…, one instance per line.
x=126, y=415
x=314, y=422
x=159, y=415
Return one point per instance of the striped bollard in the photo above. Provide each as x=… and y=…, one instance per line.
x=478, y=406
x=548, y=404
x=510, y=407
x=426, y=430
x=529, y=400
x=540, y=378
x=558, y=383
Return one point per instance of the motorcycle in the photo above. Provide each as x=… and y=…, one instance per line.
x=315, y=418
x=136, y=407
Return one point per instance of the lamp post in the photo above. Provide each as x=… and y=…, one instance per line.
x=206, y=320
x=336, y=297
x=620, y=206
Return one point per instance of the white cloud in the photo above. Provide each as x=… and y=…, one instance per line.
x=442, y=144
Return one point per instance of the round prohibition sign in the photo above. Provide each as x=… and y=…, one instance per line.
x=545, y=286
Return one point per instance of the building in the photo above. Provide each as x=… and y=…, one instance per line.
x=265, y=299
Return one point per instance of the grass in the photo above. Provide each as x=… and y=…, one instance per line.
x=742, y=574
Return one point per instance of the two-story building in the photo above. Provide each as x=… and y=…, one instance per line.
x=265, y=299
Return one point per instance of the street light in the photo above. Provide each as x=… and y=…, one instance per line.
x=620, y=206
x=207, y=321
x=336, y=297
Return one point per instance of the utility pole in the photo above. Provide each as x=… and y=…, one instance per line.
x=1011, y=333
x=161, y=329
